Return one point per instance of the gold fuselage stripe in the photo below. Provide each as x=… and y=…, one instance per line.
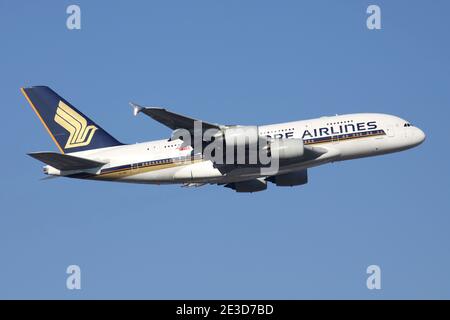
x=129, y=171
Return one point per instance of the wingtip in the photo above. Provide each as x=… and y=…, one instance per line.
x=136, y=108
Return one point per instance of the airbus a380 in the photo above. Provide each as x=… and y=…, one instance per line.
x=89, y=152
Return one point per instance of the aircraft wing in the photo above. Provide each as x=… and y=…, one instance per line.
x=171, y=119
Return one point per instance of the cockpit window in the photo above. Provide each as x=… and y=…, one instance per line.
x=407, y=125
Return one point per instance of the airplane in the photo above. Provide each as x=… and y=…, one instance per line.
x=87, y=151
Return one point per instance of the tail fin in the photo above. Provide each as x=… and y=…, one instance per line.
x=71, y=130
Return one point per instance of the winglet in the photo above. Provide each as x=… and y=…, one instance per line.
x=136, y=108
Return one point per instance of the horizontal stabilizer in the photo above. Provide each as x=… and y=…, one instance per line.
x=65, y=162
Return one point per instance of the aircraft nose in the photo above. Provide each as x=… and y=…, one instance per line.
x=419, y=136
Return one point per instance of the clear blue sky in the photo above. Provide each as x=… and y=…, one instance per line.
x=247, y=62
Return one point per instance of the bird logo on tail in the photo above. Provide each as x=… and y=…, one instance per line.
x=80, y=134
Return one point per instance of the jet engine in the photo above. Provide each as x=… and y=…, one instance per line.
x=254, y=185
x=286, y=149
x=241, y=136
x=290, y=179
x=246, y=139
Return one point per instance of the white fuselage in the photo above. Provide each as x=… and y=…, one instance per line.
x=344, y=137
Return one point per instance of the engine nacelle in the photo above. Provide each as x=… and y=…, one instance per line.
x=286, y=149
x=241, y=136
x=254, y=185
x=290, y=179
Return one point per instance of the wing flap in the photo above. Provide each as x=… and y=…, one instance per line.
x=64, y=161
